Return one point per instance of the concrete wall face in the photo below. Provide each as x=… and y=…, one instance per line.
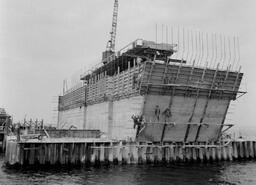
x=96, y=117
x=70, y=117
x=111, y=117
x=122, y=121
x=182, y=109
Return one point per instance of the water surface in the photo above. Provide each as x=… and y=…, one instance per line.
x=229, y=173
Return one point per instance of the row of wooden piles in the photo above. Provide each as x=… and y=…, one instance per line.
x=26, y=154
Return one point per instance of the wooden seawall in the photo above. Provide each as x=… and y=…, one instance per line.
x=75, y=151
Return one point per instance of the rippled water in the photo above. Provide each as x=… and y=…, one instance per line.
x=217, y=173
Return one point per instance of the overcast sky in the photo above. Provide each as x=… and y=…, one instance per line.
x=43, y=42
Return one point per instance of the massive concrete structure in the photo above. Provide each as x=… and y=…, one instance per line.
x=171, y=99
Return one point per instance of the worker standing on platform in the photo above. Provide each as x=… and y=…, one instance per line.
x=157, y=112
x=167, y=114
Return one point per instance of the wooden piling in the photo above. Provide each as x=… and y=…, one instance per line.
x=241, y=150
x=219, y=158
x=234, y=147
x=78, y=153
x=213, y=154
x=194, y=154
x=254, y=148
x=246, y=149
x=251, y=150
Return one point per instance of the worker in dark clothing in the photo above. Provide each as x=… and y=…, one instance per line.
x=138, y=122
x=157, y=113
x=167, y=114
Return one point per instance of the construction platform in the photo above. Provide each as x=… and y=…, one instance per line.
x=97, y=151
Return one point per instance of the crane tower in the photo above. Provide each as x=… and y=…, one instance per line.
x=110, y=49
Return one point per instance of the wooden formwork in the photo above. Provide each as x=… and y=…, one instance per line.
x=109, y=87
x=164, y=78
x=73, y=99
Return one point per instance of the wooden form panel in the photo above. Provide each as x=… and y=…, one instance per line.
x=150, y=105
x=186, y=113
x=192, y=133
x=199, y=109
x=182, y=109
x=191, y=76
x=175, y=132
x=73, y=99
x=215, y=111
x=106, y=87
x=98, y=89
x=153, y=132
x=208, y=133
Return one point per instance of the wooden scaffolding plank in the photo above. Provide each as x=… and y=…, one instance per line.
x=173, y=90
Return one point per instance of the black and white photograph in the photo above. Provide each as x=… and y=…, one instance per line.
x=127, y=92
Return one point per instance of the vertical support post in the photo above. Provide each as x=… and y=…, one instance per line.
x=163, y=133
x=197, y=94
x=209, y=94
x=110, y=118
x=175, y=80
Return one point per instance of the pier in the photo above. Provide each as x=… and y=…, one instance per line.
x=97, y=151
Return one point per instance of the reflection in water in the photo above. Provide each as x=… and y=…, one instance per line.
x=217, y=173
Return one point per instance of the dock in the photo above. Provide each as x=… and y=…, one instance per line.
x=97, y=151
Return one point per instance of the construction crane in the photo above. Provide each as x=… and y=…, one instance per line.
x=110, y=49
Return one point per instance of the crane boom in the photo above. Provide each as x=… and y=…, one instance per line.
x=111, y=42
x=110, y=49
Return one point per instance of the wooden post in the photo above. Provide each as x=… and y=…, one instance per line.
x=150, y=154
x=251, y=151
x=224, y=152
x=241, y=150
x=93, y=155
x=181, y=152
x=201, y=155
x=115, y=155
x=188, y=152
x=219, y=154
x=154, y=155
x=102, y=158
x=110, y=154
x=127, y=155
x=167, y=154
x=207, y=154
x=135, y=154
x=176, y=153
x=18, y=132
x=246, y=149
x=172, y=154
x=194, y=154
x=254, y=148
x=213, y=154
x=119, y=153
x=230, y=151
x=21, y=153
x=160, y=153
x=144, y=155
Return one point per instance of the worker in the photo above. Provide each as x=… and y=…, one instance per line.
x=135, y=81
x=167, y=114
x=157, y=112
x=139, y=121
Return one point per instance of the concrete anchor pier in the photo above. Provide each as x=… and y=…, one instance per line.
x=87, y=151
